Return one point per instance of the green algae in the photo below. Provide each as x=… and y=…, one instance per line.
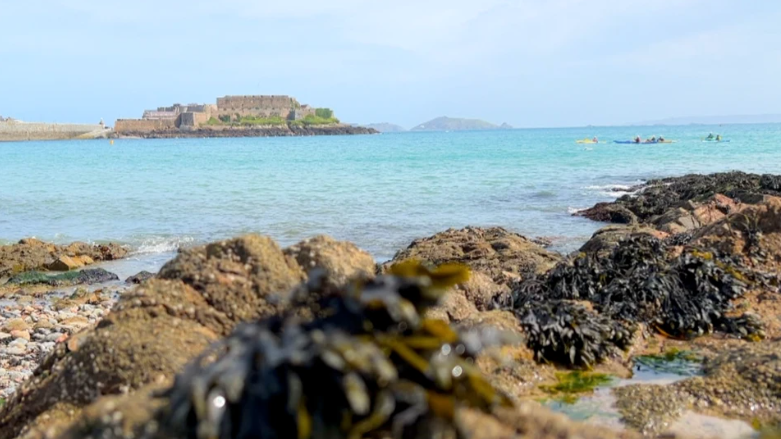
x=674, y=360
x=39, y=277
x=572, y=383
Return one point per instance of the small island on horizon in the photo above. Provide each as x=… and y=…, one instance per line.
x=237, y=116
x=442, y=123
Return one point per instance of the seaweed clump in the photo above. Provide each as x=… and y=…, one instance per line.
x=681, y=297
x=367, y=364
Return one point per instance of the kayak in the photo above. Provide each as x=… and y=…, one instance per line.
x=586, y=141
x=715, y=141
x=644, y=142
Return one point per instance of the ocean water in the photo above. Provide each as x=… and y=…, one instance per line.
x=379, y=191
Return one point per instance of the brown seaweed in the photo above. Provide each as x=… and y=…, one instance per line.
x=366, y=364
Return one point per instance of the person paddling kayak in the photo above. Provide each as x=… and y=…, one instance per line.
x=710, y=136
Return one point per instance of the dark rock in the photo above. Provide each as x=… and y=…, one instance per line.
x=683, y=295
x=658, y=196
x=607, y=238
x=84, y=277
x=609, y=213
x=139, y=277
x=275, y=131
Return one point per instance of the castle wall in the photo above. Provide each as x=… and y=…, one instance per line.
x=19, y=131
x=143, y=125
x=190, y=119
x=239, y=103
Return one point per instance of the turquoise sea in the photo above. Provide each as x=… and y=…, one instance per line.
x=378, y=191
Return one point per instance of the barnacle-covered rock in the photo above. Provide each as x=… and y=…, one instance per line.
x=369, y=362
x=502, y=255
x=341, y=260
x=741, y=382
x=238, y=276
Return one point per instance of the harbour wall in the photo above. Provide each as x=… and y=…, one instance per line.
x=13, y=131
x=135, y=125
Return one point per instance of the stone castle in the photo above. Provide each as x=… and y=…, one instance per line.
x=191, y=116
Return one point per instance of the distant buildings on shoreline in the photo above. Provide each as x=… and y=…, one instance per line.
x=227, y=110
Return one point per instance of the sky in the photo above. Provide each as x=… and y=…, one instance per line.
x=530, y=63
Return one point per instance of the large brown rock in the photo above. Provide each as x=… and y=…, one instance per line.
x=245, y=278
x=753, y=231
x=32, y=254
x=501, y=255
x=155, y=329
x=149, y=335
x=341, y=260
x=692, y=215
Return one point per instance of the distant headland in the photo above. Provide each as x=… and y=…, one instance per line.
x=237, y=116
x=443, y=123
x=458, y=124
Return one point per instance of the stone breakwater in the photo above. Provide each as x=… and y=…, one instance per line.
x=270, y=131
x=546, y=313
x=15, y=131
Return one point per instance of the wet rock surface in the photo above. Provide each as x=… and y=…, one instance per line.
x=741, y=382
x=31, y=254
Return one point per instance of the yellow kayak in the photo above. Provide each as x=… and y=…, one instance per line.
x=586, y=141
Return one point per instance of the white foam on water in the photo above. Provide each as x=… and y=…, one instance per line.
x=163, y=244
x=609, y=186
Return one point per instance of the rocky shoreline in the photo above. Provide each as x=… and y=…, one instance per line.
x=270, y=131
x=691, y=265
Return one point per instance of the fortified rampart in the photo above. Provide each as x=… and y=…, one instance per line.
x=13, y=130
x=192, y=120
x=285, y=107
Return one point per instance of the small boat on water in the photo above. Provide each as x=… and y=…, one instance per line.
x=643, y=142
x=715, y=140
x=594, y=140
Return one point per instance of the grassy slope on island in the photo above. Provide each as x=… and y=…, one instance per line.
x=455, y=124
